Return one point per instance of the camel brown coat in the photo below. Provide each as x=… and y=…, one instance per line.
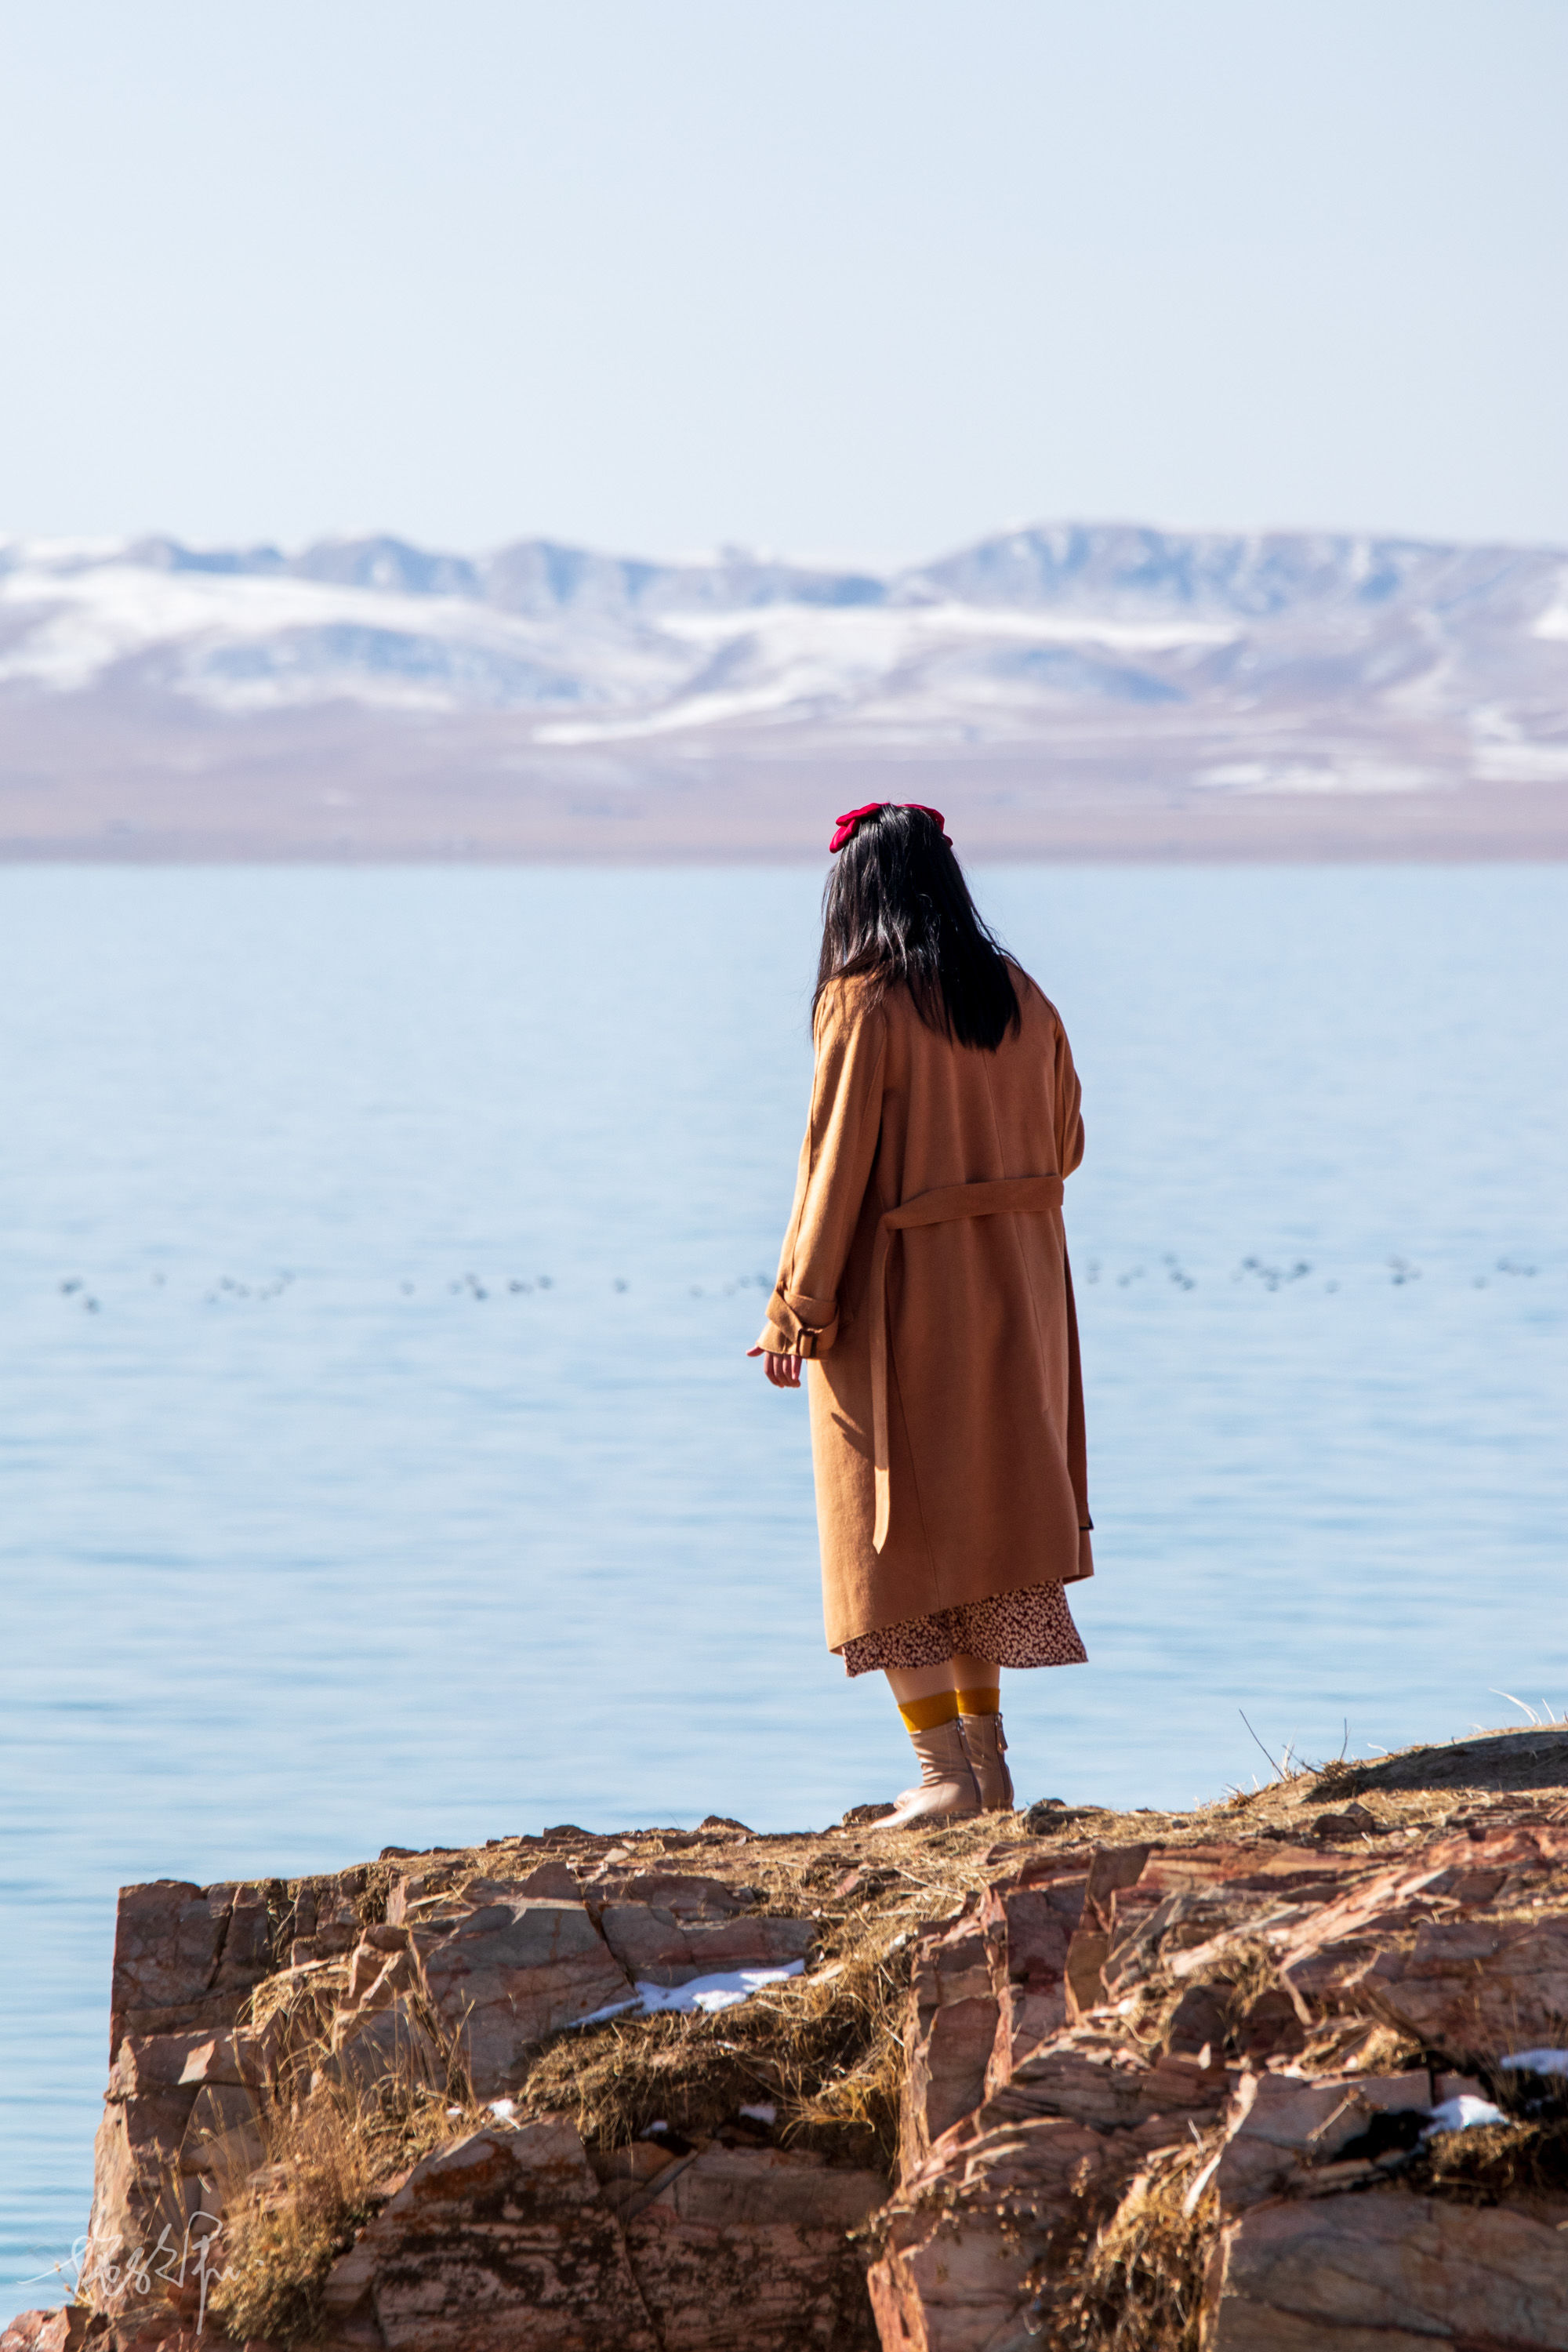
x=946, y=1399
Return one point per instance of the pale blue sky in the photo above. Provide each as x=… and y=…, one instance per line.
x=862, y=277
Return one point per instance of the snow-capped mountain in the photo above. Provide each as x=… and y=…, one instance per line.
x=1110, y=660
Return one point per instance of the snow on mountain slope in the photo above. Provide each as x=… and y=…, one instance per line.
x=384, y=625
x=794, y=661
x=256, y=640
x=1237, y=662
x=1252, y=577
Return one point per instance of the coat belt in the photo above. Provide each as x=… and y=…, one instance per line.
x=1006, y=1196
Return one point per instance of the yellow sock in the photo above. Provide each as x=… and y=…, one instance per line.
x=925, y=1714
x=986, y=1701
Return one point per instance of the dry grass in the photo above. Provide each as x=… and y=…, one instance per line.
x=825, y=2049
x=298, y=2009
x=1511, y=2163
x=333, y=2149
x=1136, y=2285
x=1250, y=1970
x=1240, y=1972
x=1375, y=2047
x=1520, y=2160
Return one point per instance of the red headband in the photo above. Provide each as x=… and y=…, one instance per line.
x=844, y=829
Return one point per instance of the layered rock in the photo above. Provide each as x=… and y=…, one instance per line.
x=1301, y=2259
x=752, y=2246
x=1169, y=2078
x=1399, y=2272
x=442, y=1977
x=498, y=2244
x=1092, y=2026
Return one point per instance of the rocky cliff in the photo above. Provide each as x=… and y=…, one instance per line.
x=1248, y=2079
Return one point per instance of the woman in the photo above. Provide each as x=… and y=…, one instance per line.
x=925, y=1279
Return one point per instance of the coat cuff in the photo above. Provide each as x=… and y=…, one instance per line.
x=799, y=1326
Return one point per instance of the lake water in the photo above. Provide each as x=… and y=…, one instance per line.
x=380, y=1459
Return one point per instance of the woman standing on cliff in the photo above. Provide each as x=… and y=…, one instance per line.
x=924, y=1278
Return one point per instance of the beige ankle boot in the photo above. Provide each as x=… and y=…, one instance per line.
x=987, y=1752
x=947, y=1789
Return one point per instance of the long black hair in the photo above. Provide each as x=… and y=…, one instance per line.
x=897, y=907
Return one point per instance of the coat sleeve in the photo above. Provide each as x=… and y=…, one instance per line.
x=1069, y=1153
x=836, y=1163
x=1069, y=1101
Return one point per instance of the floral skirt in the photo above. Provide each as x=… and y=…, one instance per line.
x=1031, y=1628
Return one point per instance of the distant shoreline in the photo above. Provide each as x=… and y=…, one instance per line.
x=657, y=826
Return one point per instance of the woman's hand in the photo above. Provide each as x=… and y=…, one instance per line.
x=783, y=1370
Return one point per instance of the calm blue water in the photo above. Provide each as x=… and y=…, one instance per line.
x=396, y=1474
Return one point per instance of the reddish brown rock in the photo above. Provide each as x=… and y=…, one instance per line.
x=429, y=1896
x=554, y=1880
x=512, y=1972
x=664, y=1947
x=61, y=2330
x=1473, y=1985
x=1070, y=2119
x=1086, y=2073
x=1031, y=1931
x=1090, y=2075
x=162, y=2062
x=387, y=1964
x=371, y=2045
x=1398, y=2272
x=1112, y=1870
x=76, y=2329
x=500, y=2244
x=1354, y=1822
x=748, y=2247
x=168, y=1940
x=1282, y=2126
x=1040, y=2121
x=247, y=1954
x=967, y=2226
x=1405, y=1942
x=1078, y=2119
x=223, y=2141
x=626, y=2174
x=138, y=2188
x=686, y=1893
x=1084, y=2018
x=998, y=1983
x=950, y=2033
